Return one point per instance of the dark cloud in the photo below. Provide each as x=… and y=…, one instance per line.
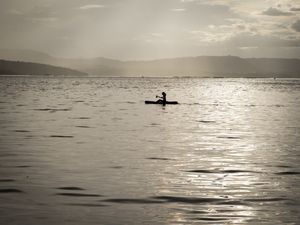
x=295, y=9
x=276, y=12
x=296, y=26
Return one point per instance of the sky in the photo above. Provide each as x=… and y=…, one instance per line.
x=151, y=29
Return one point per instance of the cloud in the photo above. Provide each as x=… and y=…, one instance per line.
x=295, y=9
x=177, y=10
x=296, y=26
x=87, y=7
x=249, y=40
x=276, y=12
x=43, y=14
x=150, y=29
x=209, y=2
x=15, y=12
x=45, y=19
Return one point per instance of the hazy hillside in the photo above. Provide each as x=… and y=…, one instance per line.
x=25, y=56
x=202, y=66
x=94, y=66
x=192, y=66
x=283, y=67
x=25, y=68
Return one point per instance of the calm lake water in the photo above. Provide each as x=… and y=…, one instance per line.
x=89, y=151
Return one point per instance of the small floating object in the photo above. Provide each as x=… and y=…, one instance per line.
x=162, y=103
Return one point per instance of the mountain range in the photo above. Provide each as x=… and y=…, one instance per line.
x=29, y=68
x=201, y=66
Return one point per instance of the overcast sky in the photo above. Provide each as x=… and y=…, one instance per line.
x=148, y=29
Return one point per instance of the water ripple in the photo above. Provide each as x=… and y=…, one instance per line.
x=78, y=194
x=10, y=190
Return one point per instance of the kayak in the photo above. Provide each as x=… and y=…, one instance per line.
x=161, y=103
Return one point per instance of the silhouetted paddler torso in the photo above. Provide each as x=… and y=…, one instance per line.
x=162, y=99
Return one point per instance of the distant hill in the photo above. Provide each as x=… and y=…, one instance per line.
x=26, y=68
x=25, y=56
x=192, y=66
x=277, y=67
x=94, y=66
x=201, y=66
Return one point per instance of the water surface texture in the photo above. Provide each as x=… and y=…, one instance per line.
x=89, y=151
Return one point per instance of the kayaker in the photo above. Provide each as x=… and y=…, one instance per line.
x=162, y=99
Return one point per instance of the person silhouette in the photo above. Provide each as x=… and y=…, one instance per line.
x=162, y=99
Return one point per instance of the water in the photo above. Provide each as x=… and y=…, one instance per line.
x=89, y=151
